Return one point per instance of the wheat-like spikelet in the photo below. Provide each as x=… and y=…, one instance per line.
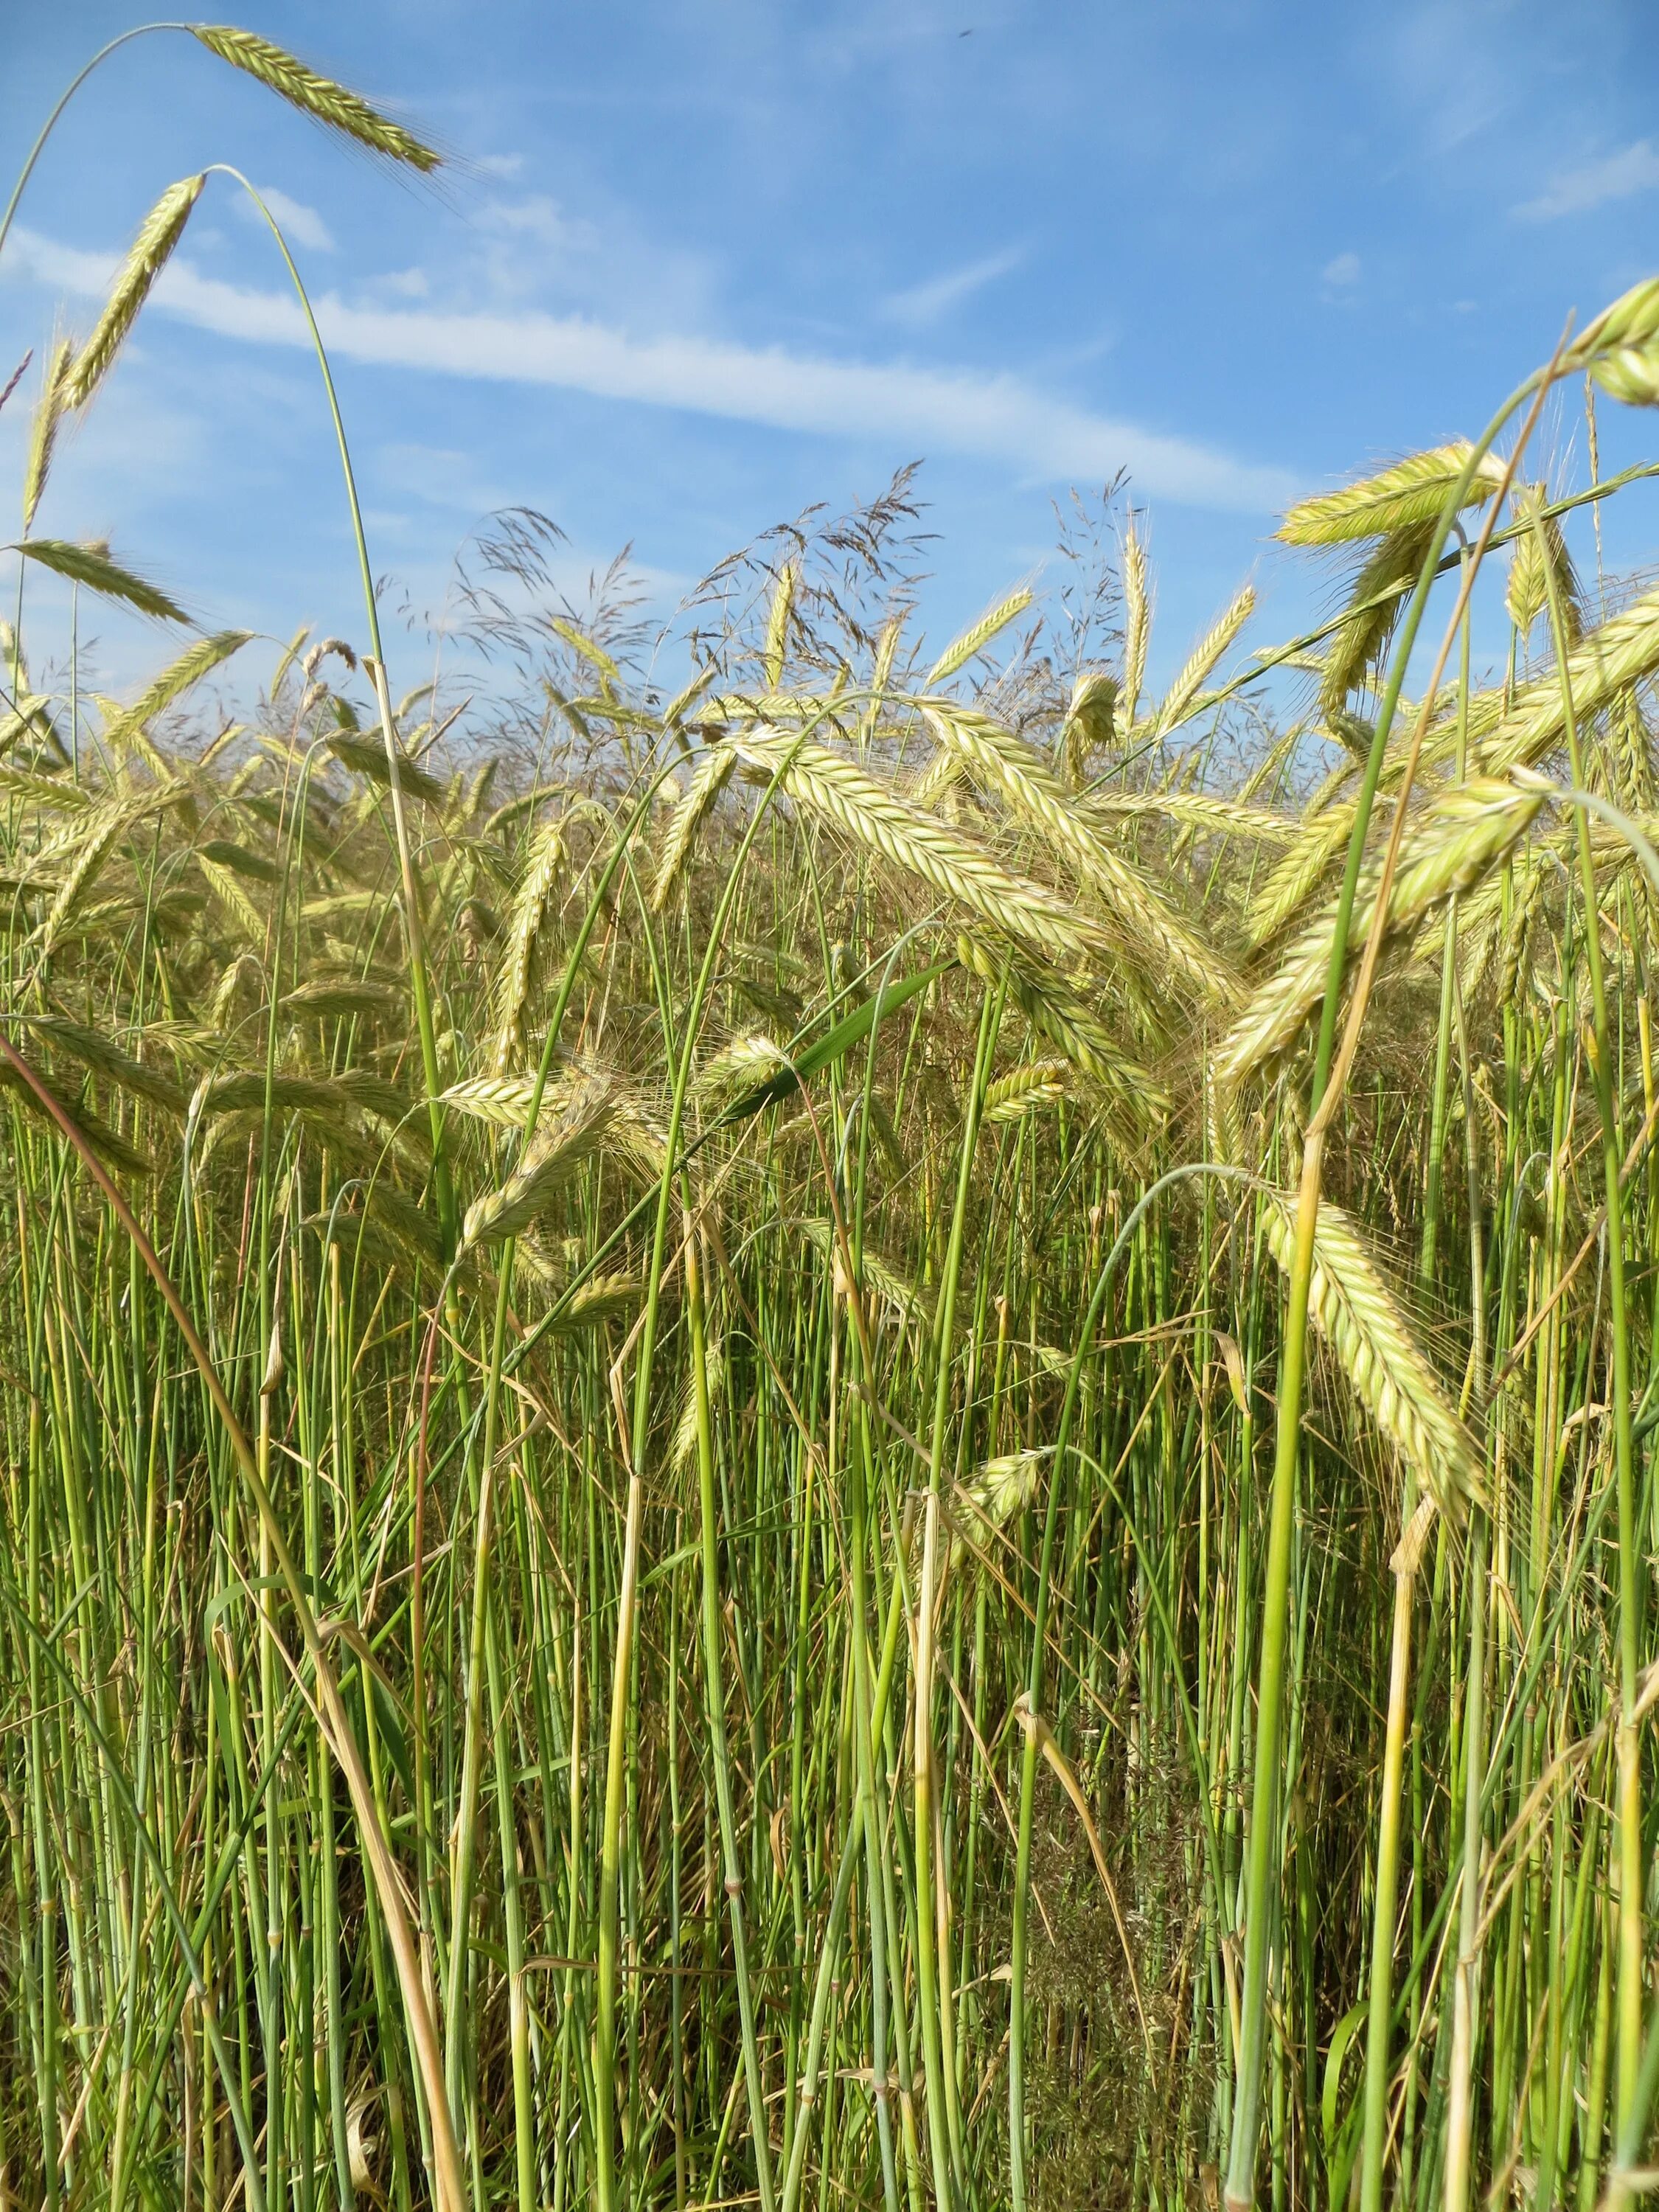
x=91, y=566
x=120, y=806
x=687, y=1424
x=29, y=715
x=1298, y=872
x=109, y=1144
x=244, y=981
x=547, y=854
x=147, y=257
x=1070, y=1025
x=1030, y=787
x=1538, y=557
x=43, y=431
x=244, y=1090
x=777, y=644
x=742, y=1064
x=1412, y=490
x=989, y=1498
x=503, y=1100
x=1377, y=599
x=1090, y=722
x=1468, y=830
x=227, y=888
x=939, y=778
x=391, y=1229
x=318, y=97
x=881, y=677
x=366, y=757
x=975, y=639
x=1373, y=1343
x=195, y=662
x=96, y=1051
x=1202, y=658
x=1137, y=622
x=1197, y=810
x=55, y=793
x=552, y=1158
x=1630, y=754
x=324, y=1000
x=878, y=1275
x=712, y=773
x=94, y=841
x=875, y=815
x=1035, y=1083
x=1612, y=660
x=1529, y=892
x=603, y=1298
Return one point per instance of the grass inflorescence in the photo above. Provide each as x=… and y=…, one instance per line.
x=882, y=1437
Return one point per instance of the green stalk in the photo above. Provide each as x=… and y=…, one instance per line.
x=943, y=2120
x=715, y=1691
x=1632, y=1856
x=413, y=926
x=1383, y=1930
x=604, y=2029
x=1260, y=1909
x=448, y=2188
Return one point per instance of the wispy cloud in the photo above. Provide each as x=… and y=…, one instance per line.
x=925, y=303
x=301, y=225
x=918, y=411
x=1342, y=270
x=540, y=222
x=1614, y=177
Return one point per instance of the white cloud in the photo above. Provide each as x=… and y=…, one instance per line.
x=1615, y=177
x=917, y=410
x=1344, y=269
x=300, y=225
x=925, y=303
x=439, y=477
x=404, y=283
x=498, y=165
x=541, y=220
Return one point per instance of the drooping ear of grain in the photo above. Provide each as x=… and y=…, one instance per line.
x=1366, y=1326
x=182, y=675
x=147, y=257
x=1409, y=492
x=1029, y=785
x=1466, y=833
x=1622, y=651
x=92, y=566
x=1377, y=600
x=325, y=102
x=915, y=841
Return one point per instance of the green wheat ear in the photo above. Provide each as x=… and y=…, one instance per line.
x=147, y=257
x=1538, y=562
x=91, y=565
x=1410, y=491
x=319, y=97
x=43, y=432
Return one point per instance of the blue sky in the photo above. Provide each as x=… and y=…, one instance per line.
x=698, y=263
